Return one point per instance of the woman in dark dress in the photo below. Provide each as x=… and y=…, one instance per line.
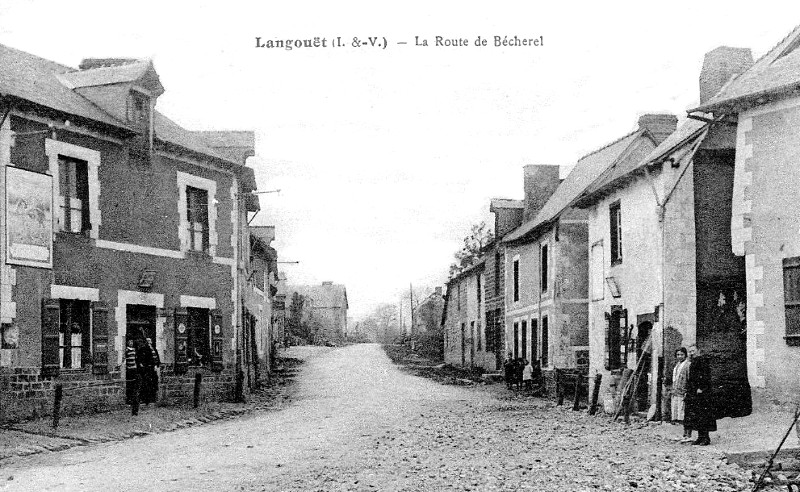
x=699, y=414
x=149, y=360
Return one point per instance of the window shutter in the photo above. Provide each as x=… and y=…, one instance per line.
x=623, y=337
x=51, y=312
x=216, y=340
x=608, y=341
x=99, y=337
x=181, y=340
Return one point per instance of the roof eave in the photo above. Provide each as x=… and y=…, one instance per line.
x=737, y=104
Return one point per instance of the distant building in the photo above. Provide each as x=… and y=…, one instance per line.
x=462, y=321
x=325, y=309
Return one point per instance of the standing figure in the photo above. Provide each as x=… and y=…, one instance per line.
x=699, y=414
x=508, y=371
x=527, y=374
x=131, y=377
x=519, y=367
x=149, y=361
x=680, y=374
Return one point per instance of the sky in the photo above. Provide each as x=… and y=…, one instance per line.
x=386, y=156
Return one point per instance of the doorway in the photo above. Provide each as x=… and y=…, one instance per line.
x=140, y=324
x=643, y=389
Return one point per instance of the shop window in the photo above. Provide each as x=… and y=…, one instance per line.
x=198, y=350
x=74, y=333
x=73, y=181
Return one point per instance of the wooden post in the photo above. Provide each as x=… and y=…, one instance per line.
x=559, y=388
x=576, y=405
x=595, y=394
x=57, y=405
x=198, y=380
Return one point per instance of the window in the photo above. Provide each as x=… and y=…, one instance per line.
x=545, y=342
x=791, y=296
x=197, y=340
x=497, y=261
x=74, y=333
x=534, y=339
x=516, y=280
x=524, y=339
x=197, y=214
x=616, y=233
x=480, y=337
x=73, y=185
x=543, y=265
x=479, y=290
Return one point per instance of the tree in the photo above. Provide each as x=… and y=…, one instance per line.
x=479, y=237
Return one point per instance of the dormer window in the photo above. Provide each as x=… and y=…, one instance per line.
x=138, y=110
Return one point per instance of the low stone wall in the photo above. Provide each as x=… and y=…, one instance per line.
x=25, y=393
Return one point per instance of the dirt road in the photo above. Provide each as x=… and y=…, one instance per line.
x=359, y=423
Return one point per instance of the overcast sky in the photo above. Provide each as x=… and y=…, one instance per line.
x=385, y=157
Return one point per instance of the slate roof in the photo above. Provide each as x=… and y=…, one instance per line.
x=35, y=79
x=585, y=172
x=775, y=72
x=50, y=84
x=129, y=72
x=624, y=170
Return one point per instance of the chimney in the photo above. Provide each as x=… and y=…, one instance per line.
x=541, y=181
x=719, y=66
x=659, y=125
x=507, y=215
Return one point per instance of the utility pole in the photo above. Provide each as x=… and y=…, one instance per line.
x=413, y=326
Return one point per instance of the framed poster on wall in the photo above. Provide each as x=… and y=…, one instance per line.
x=29, y=218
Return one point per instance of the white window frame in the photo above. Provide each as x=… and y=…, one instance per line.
x=54, y=149
x=185, y=180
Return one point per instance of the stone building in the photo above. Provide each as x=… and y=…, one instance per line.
x=547, y=260
x=763, y=105
x=462, y=321
x=325, y=309
x=507, y=217
x=119, y=225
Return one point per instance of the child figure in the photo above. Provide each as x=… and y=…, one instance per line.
x=527, y=374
